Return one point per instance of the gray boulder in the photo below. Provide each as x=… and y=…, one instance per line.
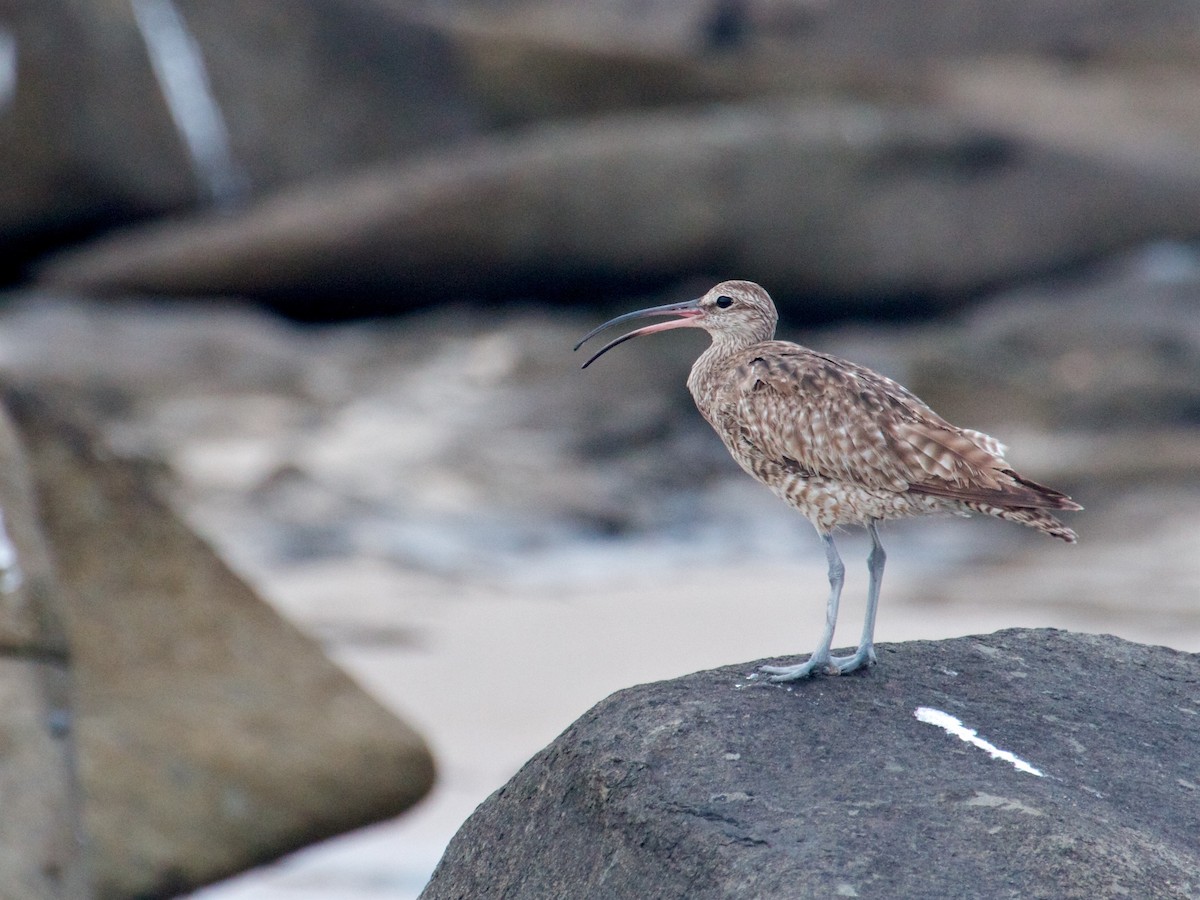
x=719, y=786
x=844, y=201
x=211, y=735
x=304, y=89
x=41, y=817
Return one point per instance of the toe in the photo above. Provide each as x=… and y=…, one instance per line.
x=780, y=674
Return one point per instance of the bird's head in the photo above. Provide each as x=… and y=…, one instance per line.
x=739, y=313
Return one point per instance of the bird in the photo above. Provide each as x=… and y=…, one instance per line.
x=838, y=442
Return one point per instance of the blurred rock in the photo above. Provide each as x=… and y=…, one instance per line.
x=42, y=855
x=861, y=206
x=450, y=441
x=718, y=786
x=212, y=736
x=315, y=88
x=1144, y=113
x=1109, y=361
x=305, y=89
x=311, y=91
x=466, y=441
x=533, y=59
x=864, y=30
x=559, y=68
x=85, y=138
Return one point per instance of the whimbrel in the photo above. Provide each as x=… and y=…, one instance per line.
x=840, y=443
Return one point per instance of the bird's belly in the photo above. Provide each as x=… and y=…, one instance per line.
x=828, y=503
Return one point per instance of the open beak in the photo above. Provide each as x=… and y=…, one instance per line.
x=688, y=312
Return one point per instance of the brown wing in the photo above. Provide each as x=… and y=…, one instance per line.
x=834, y=419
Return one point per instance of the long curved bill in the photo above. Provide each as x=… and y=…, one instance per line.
x=687, y=311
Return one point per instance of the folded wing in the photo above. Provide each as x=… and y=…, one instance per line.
x=833, y=419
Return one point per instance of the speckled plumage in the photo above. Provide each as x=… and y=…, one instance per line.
x=844, y=445
x=840, y=443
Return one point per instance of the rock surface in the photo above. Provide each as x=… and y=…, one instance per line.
x=41, y=855
x=829, y=200
x=719, y=786
x=211, y=735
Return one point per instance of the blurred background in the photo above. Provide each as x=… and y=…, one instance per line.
x=324, y=261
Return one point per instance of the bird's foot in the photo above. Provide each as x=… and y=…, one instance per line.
x=815, y=664
x=863, y=656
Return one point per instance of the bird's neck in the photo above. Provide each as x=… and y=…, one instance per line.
x=728, y=343
x=709, y=370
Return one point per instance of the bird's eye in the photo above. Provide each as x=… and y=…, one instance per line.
x=724, y=302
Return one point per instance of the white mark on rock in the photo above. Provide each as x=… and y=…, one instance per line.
x=971, y=736
x=733, y=757
x=846, y=890
x=11, y=575
x=179, y=67
x=8, y=67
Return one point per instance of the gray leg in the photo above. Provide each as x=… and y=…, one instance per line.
x=820, y=659
x=865, y=654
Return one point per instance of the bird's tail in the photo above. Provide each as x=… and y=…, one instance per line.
x=1034, y=518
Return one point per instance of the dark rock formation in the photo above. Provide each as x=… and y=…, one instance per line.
x=833, y=200
x=718, y=786
x=211, y=735
x=305, y=89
